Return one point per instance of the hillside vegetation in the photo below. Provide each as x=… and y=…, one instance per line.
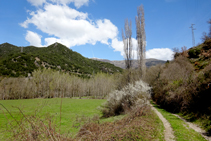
x=56, y=56
x=184, y=84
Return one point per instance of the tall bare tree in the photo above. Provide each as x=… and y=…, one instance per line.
x=209, y=34
x=128, y=47
x=141, y=39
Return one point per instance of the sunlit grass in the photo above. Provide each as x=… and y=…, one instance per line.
x=71, y=109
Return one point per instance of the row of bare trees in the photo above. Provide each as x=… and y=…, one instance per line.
x=49, y=84
x=141, y=43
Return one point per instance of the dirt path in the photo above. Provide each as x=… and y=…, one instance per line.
x=168, y=132
x=195, y=127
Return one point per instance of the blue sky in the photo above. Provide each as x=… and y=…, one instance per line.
x=93, y=27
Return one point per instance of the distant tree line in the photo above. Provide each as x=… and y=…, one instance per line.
x=47, y=83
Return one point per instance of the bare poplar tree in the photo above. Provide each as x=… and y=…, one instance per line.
x=141, y=39
x=127, y=40
x=209, y=34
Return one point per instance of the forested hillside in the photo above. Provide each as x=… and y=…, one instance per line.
x=13, y=62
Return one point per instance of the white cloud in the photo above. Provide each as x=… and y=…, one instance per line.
x=160, y=53
x=118, y=46
x=70, y=26
x=36, y=2
x=156, y=53
x=33, y=38
x=77, y=3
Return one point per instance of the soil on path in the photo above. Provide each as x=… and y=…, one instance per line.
x=168, y=132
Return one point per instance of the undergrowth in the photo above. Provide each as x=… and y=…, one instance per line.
x=140, y=124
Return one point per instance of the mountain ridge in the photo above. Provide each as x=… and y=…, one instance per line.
x=120, y=63
x=55, y=56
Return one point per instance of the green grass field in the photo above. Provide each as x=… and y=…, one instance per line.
x=71, y=109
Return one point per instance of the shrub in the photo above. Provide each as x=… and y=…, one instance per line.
x=173, y=86
x=121, y=101
x=194, y=53
x=180, y=89
x=152, y=74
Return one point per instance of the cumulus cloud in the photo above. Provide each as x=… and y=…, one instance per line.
x=160, y=53
x=156, y=53
x=77, y=3
x=118, y=46
x=70, y=27
x=33, y=38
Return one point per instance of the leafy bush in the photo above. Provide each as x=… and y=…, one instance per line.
x=194, y=53
x=171, y=90
x=153, y=73
x=121, y=101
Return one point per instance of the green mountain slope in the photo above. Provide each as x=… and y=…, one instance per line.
x=55, y=56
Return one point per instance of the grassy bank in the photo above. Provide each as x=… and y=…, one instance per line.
x=141, y=124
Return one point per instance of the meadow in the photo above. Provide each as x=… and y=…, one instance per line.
x=72, y=112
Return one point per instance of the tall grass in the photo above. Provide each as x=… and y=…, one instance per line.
x=31, y=114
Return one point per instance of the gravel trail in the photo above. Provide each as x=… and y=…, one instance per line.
x=168, y=132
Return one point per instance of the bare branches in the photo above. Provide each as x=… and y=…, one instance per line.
x=127, y=41
x=209, y=22
x=141, y=39
x=50, y=84
x=206, y=36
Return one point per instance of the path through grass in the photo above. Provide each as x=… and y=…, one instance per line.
x=181, y=130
